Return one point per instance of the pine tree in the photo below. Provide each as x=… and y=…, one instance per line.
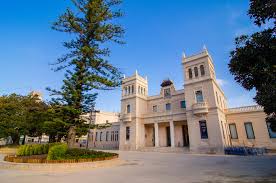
x=87, y=68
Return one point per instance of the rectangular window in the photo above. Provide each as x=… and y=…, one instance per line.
x=233, y=131
x=249, y=130
x=127, y=132
x=154, y=108
x=199, y=96
x=128, y=108
x=167, y=92
x=168, y=107
x=116, y=135
x=272, y=134
x=183, y=104
x=101, y=136
x=112, y=136
x=203, y=129
x=106, y=136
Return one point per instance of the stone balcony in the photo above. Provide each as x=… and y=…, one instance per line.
x=200, y=108
x=125, y=117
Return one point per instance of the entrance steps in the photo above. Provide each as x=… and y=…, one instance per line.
x=165, y=149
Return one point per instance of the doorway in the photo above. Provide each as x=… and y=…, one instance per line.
x=185, y=135
x=168, y=132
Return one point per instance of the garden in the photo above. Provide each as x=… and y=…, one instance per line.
x=57, y=153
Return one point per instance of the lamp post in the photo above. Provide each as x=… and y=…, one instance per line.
x=92, y=119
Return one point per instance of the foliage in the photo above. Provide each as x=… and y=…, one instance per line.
x=21, y=115
x=34, y=149
x=85, y=154
x=56, y=152
x=87, y=68
x=253, y=60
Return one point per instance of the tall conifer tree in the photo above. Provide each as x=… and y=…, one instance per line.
x=92, y=25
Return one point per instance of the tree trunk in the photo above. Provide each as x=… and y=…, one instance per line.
x=51, y=138
x=15, y=139
x=71, y=137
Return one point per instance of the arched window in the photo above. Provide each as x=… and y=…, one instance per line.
x=196, y=71
x=190, y=74
x=202, y=71
x=128, y=108
x=144, y=91
x=132, y=89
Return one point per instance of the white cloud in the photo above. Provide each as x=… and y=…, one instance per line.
x=221, y=82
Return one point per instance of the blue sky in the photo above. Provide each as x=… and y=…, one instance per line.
x=157, y=32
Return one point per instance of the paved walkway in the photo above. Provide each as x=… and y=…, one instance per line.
x=154, y=167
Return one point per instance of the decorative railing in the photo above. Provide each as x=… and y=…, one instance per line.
x=126, y=117
x=200, y=108
x=245, y=109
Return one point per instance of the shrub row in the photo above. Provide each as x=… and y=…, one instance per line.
x=57, y=152
x=62, y=152
x=34, y=149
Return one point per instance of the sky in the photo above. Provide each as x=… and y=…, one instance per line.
x=157, y=33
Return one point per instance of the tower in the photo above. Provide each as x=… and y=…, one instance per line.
x=205, y=102
x=133, y=106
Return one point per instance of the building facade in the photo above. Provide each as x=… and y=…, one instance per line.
x=195, y=117
x=101, y=138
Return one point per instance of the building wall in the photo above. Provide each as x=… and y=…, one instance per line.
x=143, y=120
x=257, y=117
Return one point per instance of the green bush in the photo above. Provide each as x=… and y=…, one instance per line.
x=21, y=150
x=45, y=149
x=35, y=149
x=31, y=150
x=86, y=154
x=57, y=152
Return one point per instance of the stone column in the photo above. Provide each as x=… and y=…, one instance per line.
x=156, y=133
x=172, y=133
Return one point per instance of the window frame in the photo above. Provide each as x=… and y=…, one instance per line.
x=154, y=108
x=202, y=70
x=233, y=124
x=127, y=133
x=106, y=136
x=183, y=101
x=201, y=96
x=128, y=108
x=270, y=136
x=170, y=106
x=201, y=132
x=246, y=123
x=196, y=72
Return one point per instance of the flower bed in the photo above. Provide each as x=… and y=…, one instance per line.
x=35, y=159
x=57, y=153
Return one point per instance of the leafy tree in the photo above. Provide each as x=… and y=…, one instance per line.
x=253, y=60
x=21, y=115
x=87, y=68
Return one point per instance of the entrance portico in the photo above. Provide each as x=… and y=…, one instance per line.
x=166, y=134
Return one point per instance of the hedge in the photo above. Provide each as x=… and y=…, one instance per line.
x=57, y=152
x=34, y=149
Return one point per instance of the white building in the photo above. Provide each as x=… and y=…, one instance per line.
x=195, y=117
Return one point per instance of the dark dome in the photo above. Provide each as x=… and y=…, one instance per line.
x=166, y=82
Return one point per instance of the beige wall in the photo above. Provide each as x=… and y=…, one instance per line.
x=257, y=117
x=142, y=120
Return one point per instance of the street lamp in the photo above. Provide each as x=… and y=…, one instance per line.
x=92, y=119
